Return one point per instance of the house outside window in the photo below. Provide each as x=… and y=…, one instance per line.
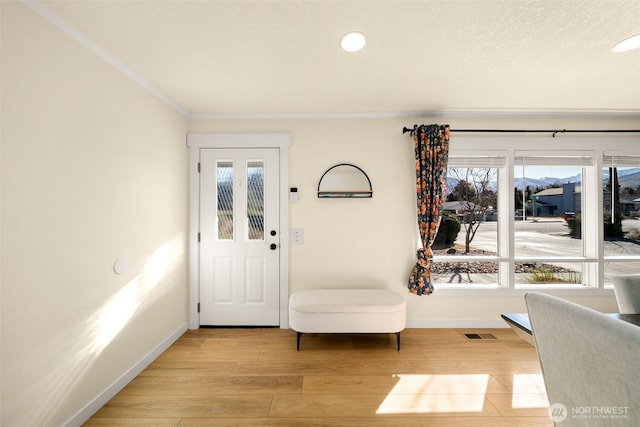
x=516, y=220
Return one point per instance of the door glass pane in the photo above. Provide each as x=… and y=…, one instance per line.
x=225, y=200
x=255, y=199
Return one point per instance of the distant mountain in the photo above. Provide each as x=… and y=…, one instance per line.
x=626, y=177
x=451, y=183
x=621, y=172
x=545, y=182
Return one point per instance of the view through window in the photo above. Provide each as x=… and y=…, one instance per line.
x=620, y=216
x=536, y=219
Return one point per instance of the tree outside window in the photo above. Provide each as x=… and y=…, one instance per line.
x=476, y=195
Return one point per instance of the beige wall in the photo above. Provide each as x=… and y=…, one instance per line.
x=93, y=168
x=372, y=242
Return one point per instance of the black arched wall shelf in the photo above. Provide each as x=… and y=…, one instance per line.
x=345, y=180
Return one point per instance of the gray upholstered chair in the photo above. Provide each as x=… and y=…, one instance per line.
x=627, y=290
x=590, y=363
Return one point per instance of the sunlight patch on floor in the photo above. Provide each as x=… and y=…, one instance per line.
x=528, y=392
x=436, y=394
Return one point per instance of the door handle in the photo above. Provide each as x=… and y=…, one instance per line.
x=273, y=246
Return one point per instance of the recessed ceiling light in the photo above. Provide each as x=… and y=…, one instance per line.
x=628, y=44
x=353, y=42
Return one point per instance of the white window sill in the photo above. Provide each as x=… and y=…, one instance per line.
x=501, y=291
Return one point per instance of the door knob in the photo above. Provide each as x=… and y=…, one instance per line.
x=273, y=232
x=273, y=246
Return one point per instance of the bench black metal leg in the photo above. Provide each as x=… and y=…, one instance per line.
x=299, y=334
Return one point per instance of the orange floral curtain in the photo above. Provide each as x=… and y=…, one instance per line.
x=431, y=145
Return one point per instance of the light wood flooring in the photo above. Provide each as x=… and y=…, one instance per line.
x=255, y=377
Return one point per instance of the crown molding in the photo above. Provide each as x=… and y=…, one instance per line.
x=308, y=115
x=96, y=49
x=447, y=114
x=499, y=113
x=545, y=113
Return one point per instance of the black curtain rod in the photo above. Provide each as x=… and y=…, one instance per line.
x=553, y=132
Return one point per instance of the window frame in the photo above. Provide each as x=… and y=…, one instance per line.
x=593, y=259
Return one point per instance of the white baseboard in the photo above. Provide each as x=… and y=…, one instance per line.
x=457, y=323
x=99, y=401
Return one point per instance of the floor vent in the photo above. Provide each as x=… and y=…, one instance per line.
x=480, y=336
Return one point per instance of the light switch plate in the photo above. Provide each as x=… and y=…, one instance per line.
x=297, y=236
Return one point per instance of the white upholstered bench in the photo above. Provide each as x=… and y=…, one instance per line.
x=347, y=311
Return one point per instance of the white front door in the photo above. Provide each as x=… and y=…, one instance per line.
x=239, y=237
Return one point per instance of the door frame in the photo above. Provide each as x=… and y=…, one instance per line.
x=200, y=141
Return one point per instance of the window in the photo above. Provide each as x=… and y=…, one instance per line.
x=620, y=213
x=539, y=217
x=467, y=243
x=548, y=241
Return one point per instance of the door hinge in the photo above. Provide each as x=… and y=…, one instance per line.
x=198, y=167
x=198, y=307
x=198, y=236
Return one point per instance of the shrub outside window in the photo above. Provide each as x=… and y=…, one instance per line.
x=523, y=219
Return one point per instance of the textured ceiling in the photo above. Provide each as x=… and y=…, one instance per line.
x=275, y=57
